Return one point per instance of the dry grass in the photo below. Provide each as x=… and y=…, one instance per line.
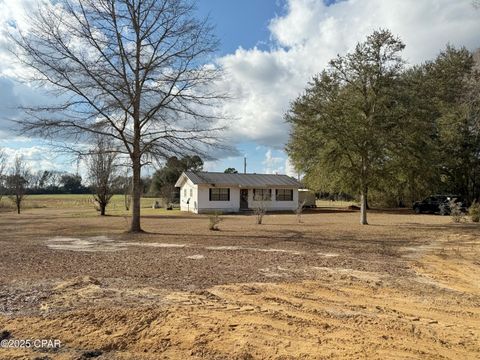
x=405, y=286
x=77, y=202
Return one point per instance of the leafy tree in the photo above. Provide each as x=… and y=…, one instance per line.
x=132, y=71
x=345, y=123
x=164, y=179
x=413, y=168
x=230, y=171
x=439, y=147
x=192, y=162
x=456, y=84
x=72, y=184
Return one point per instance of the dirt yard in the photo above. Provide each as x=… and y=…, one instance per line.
x=405, y=287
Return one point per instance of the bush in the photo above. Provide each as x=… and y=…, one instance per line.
x=474, y=211
x=260, y=212
x=456, y=211
x=298, y=211
x=443, y=209
x=214, y=220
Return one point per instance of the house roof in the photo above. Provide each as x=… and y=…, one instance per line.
x=242, y=180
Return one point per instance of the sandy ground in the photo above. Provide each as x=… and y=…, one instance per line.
x=405, y=287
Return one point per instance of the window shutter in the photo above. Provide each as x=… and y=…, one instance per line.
x=210, y=194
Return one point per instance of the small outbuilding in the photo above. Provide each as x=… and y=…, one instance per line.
x=307, y=198
x=202, y=192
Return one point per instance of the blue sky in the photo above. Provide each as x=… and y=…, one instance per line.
x=270, y=49
x=237, y=24
x=241, y=23
x=244, y=24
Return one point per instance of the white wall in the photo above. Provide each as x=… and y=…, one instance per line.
x=205, y=205
x=273, y=204
x=200, y=202
x=190, y=187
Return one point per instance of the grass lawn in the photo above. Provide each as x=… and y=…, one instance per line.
x=81, y=202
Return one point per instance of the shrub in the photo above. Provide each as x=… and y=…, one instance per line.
x=456, y=211
x=443, y=209
x=298, y=211
x=260, y=210
x=214, y=219
x=474, y=211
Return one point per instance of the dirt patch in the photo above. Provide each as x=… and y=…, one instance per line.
x=94, y=243
x=328, y=254
x=196, y=257
x=244, y=248
x=403, y=287
x=100, y=243
x=334, y=316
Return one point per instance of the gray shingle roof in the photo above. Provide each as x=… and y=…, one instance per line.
x=242, y=180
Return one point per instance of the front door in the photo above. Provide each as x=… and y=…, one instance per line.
x=243, y=198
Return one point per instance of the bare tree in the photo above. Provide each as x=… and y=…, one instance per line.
x=17, y=181
x=101, y=170
x=133, y=71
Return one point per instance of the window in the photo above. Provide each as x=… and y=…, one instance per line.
x=219, y=194
x=262, y=194
x=284, y=195
x=191, y=192
x=184, y=192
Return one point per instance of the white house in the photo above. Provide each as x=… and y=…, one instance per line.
x=202, y=192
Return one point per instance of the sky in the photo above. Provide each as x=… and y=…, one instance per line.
x=270, y=49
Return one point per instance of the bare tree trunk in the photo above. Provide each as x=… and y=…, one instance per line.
x=136, y=227
x=127, y=199
x=136, y=196
x=367, y=206
x=18, y=206
x=102, y=209
x=363, y=206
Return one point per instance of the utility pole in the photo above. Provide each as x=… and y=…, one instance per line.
x=245, y=165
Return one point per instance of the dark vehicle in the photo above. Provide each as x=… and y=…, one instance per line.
x=438, y=204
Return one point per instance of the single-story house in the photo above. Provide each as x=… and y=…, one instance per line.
x=202, y=192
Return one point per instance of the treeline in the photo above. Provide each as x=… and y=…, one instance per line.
x=370, y=125
x=60, y=182
x=160, y=184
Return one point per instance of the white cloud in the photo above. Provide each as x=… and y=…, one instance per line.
x=303, y=40
x=273, y=164
x=311, y=33
x=289, y=169
x=12, y=15
x=39, y=157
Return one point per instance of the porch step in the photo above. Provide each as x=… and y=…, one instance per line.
x=246, y=211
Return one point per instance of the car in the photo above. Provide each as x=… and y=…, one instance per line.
x=438, y=204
